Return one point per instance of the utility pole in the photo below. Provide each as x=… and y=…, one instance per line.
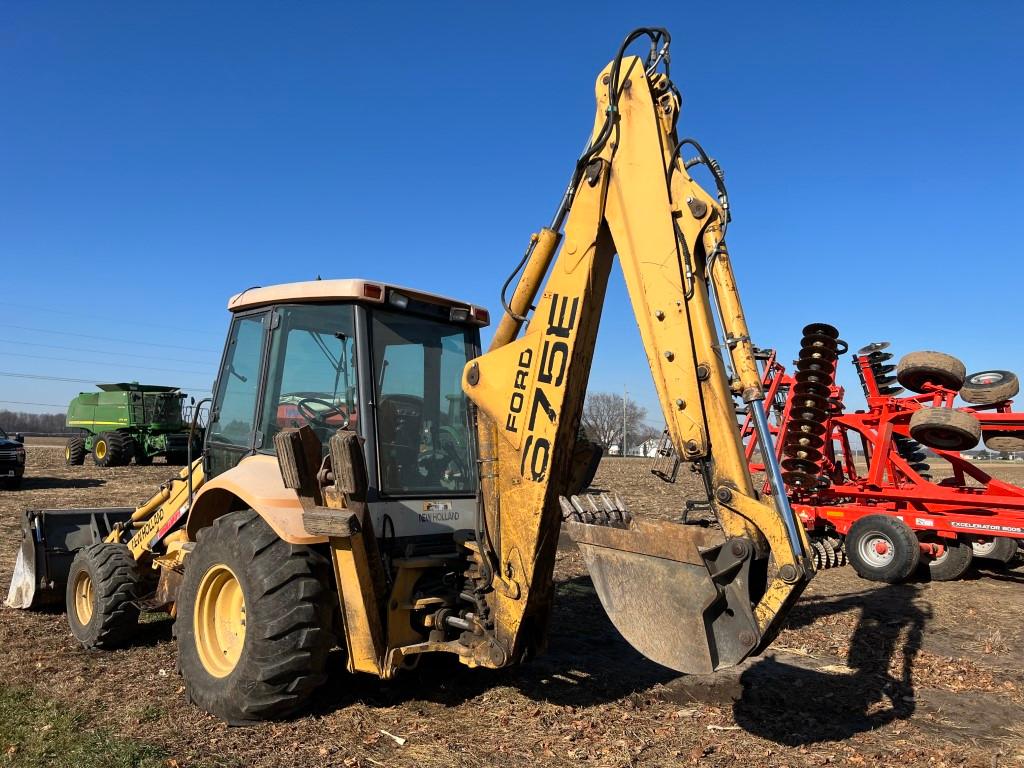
x=625, y=396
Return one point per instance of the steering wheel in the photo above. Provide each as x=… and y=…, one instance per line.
x=319, y=418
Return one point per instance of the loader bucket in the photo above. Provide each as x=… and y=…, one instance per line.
x=50, y=539
x=679, y=594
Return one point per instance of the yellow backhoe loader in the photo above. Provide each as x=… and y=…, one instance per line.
x=371, y=480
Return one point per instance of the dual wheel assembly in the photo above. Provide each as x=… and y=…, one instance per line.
x=884, y=548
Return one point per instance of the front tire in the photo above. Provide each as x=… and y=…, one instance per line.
x=882, y=548
x=103, y=585
x=254, y=621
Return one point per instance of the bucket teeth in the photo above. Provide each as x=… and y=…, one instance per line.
x=595, y=509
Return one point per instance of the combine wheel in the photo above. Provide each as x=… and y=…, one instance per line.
x=952, y=563
x=111, y=449
x=882, y=548
x=103, y=584
x=945, y=429
x=254, y=621
x=989, y=387
x=74, y=451
x=919, y=368
x=1005, y=443
x=998, y=548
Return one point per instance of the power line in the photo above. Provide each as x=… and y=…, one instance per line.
x=100, y=362
x=25, y=402
x=41, y=377
x=52, y=311
x=95, y=351
x=106, y=338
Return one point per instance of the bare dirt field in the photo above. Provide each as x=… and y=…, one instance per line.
x=925, y=674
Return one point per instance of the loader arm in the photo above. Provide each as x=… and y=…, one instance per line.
x=690, y=597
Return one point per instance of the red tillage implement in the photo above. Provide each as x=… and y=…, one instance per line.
x=883, y=505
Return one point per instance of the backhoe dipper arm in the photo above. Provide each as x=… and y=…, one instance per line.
x=693, y=598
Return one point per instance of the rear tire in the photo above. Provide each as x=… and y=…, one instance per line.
x=142, y=458
x=998, y=549
x=74, y=452
x=919, y=368
x=882, y=548
x=254, y=621
x=103, y=584
x=988, y=387
x=945, y=429
x=952, y=563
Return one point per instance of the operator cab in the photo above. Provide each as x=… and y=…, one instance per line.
x=381, y=360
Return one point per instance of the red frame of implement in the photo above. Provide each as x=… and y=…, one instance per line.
x=953, y=507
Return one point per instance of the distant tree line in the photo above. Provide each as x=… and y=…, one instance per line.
x=33, y=423
x=603, y=421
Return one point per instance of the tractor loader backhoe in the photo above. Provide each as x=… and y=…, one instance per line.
x=370, y=480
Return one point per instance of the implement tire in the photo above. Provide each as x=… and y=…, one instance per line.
x=952, y=563
x=988, y=387
x=882, y=548
x=74, y=452
x=254, y=621
x=945, y=429
x=999, y=549
x=103, y=585
x=1005, y=442
x=919, y=368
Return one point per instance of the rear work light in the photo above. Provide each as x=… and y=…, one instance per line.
x=398, y=300
x=480, y=315
x=459, y=315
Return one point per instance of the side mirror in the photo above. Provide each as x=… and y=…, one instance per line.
x=19, y=438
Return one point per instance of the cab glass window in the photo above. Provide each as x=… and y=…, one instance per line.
x=311, y=377
x=235, y=408
x=423, y=432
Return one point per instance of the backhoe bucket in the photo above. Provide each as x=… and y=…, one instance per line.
x=680, y=594
x=50, y=539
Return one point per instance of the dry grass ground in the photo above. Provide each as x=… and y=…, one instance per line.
x=864, y=674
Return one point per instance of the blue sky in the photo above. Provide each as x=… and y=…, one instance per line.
x=157, y=157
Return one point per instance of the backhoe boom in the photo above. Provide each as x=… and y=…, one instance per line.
x=691, y=598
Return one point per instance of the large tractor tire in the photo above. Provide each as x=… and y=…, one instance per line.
x=882, y=548
x=254, y=621
x=103, y=585
x=112, y=449
x=1005, y=443
x=74, y=451
x=945, y=429
x=952, y=563
x=919, y=368
x=988, y=387
x=998, y=549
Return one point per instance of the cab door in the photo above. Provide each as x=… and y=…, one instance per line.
x=233, y=431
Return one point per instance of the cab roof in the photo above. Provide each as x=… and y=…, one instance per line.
x=331, y=290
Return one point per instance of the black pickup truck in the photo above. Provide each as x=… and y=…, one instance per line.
x=12, y=460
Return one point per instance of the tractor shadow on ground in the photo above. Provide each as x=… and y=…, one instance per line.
x=587, y=662
x=32, y=483
x=795, y=706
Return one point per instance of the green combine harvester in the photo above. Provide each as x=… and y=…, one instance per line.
x=128, y=421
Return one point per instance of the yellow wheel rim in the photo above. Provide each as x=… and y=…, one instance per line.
x=67, y=453
x=101, y=449
x=84, y=598
x=219, y=621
